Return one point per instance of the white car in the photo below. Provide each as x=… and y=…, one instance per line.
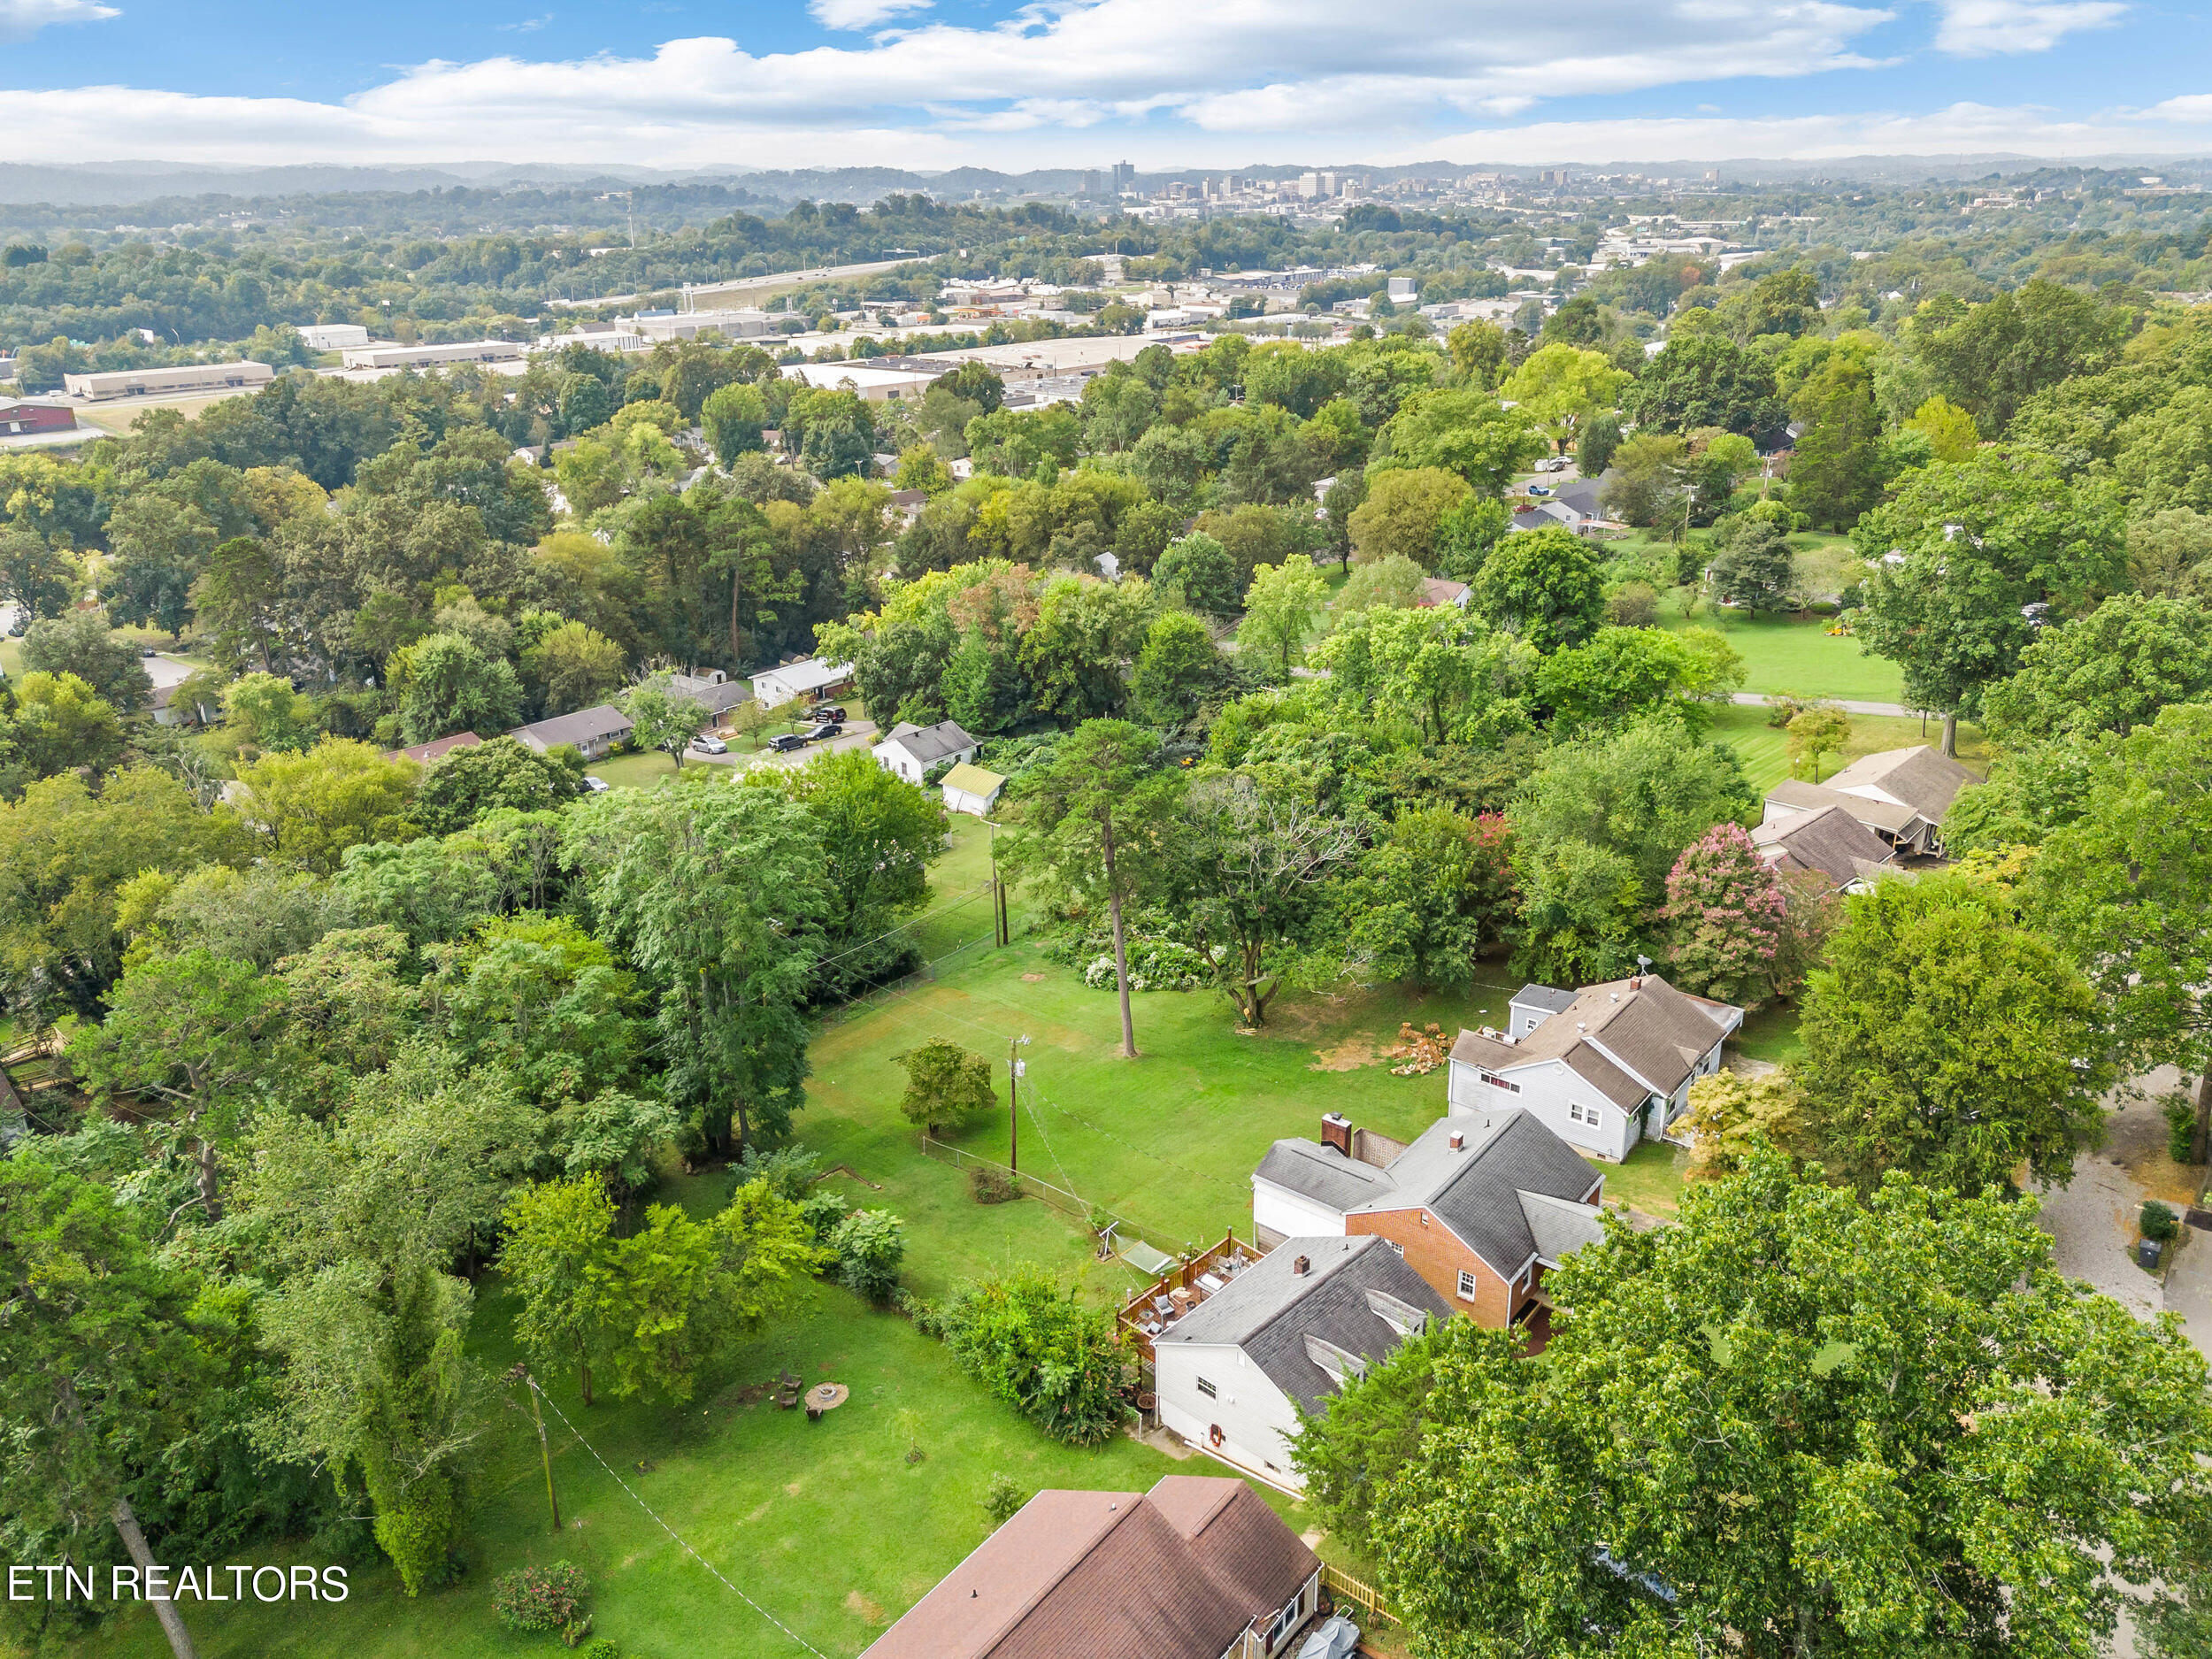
x=598, y=786
x=708, y=743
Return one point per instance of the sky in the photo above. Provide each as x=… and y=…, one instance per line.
x=930, y=84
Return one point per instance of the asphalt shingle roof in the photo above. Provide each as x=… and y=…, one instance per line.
x=930, y=744
x=1626, y=1037
x=1830, y=841
x=1476, y=1191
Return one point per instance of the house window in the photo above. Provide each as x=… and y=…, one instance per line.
x=1577, y=1112
x=1287, y=1620
x=1495, y=1082
x=1466, y=1286
x=1206, y=1388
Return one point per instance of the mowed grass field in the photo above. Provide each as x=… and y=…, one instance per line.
x=1764, y=748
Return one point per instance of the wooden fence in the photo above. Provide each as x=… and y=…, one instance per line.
x=1345, y=1588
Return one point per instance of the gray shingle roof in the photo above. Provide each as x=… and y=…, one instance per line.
x=1808, y=797
x=930, y=744
x=1621, y=1036
x=1308, y=1167
x=586, y=726
x=1476, y=1191
x=1544, y=997
x=1922, y=776
x=715, y=697
x=1269, y=1309
x=1830, y=841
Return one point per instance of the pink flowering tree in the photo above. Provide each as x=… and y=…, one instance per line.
x=1726, y=916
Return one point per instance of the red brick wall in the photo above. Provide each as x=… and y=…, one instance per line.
x=1434, y=1253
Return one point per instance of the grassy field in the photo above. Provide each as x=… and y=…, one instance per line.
x=1783, y=654
x=1765, y=750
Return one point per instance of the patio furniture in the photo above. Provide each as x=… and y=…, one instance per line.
x=1182, y=1298
x=1211, y=1283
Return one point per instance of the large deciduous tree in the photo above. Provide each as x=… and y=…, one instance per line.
x=1725, y=917
x=1793, y=1423
x=1944, y=1038
x=1544, y=586
x=1094, y=823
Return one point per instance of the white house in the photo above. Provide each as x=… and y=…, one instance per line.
x=1602, y=1068
x=1284, y=1332
x=910, y=750
x=973, y=790
x=787, y=683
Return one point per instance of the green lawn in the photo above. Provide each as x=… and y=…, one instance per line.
x=1784, y=654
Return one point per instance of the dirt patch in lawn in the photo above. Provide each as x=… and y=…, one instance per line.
x=1354, y=1052
x=866, y=1606
x=1033, y=979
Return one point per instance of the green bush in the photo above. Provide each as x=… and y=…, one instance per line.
x=604, y=1648
x=870, y=1244
x=2181, y=1127
x=541, y=1598
x=993, y=1185
x=1002, y=1498
x=1036, y=1347
x=2158, y=1221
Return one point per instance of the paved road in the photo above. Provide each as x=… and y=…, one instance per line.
x=1757, y=700
x=857, y=734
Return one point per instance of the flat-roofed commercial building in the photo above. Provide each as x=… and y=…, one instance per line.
x=332, y=337
x=190, y=377
x=745, y=323
x=425, y=356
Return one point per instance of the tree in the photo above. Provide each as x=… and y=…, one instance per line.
x=1562, y=387
x=37, y=580
x=1050, y=1356
x=2125, y=888
x=1477, y=353
x=81, y=644
x=733, y=417
x=266, y=712
x=1280, y=609
x=1724, y=919
x=447, y=683
x=1651, y=473
x=1705, y=381
x=1466, y=433
x=1836, y=474
x=677, y=1293
x=60, y=725
x=1790, y=1423
x=311, y=806
x=717, y=895
x=1253, y=854
x=1619, y=675
x=1197, y=571
x=97, y=1353
x=1950, y=430
x=1944, y=1039
x=463, y=785
x=1753, y=567
x=867, y=1247
x=945, y=1083
x=1179, y=668
x=1394, y=582
x=1978, y=541
x=1815, y=731
x=878, y=835
x=1544, y=586
x=573, y=666
x=1432, y=896
x=1403, y=511
x=236, y=599
x=1599, y=441
x=2109, y=671
x=1092, y=823
x=663, y=719
x=1732, y=1115
x=557, y=1237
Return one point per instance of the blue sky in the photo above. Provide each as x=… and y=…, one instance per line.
x=935, y=83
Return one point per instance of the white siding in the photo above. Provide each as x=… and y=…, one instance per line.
x=892, y=756
x=961, y=801
x=1257, y=1420
x=1547, y=1088
x=1293, y=1214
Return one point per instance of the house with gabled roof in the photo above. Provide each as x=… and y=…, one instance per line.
x=1901, y=794
x=1282, y=1336
x=1197, y=1568
x=911, y=750
x=1603, y=1067
x=1828, y=843
x=1481, y=1206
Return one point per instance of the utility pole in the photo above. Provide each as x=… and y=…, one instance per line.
x=545, y=1455
x=1013, y=1117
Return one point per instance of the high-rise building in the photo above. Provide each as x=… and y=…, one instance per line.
x=1093, y=182
x=1125, y=177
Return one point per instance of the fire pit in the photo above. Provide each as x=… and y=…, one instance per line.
x=824, y=1397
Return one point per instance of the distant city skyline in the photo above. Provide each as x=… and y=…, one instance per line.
x=1084, y=83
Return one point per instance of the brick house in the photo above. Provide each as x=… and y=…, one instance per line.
x=1481, y=1206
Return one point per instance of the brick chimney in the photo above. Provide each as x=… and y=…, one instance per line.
x=1301, y=1266
x=1336, y=1131
x=1459, y=1141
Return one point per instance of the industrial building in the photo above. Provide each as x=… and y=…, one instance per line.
x=421, y=356
x=744, y=324
x=190, y=377
x=332, y=337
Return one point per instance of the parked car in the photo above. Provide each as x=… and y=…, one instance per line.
x=784, y=742
x=708, y=743
x=827, y=728
x=1539, y=490
x=598, y=786
x=828, y=711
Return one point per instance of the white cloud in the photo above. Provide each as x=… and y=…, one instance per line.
x=21, y=19
x=1980, y=28
x=1961, y=129
x=528, y=26
x=2197, y=106
x=861, y=15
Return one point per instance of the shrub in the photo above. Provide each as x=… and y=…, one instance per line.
x=541, y=1598
x=2181, y=1127
x=790, y=1170
x=993, y=1185
x=1632, y=605
x=1052, y=1358
x=821, y=1212
x=870, y=1244
x=604, y=1648
x=2158, y=1221
x=1002, y=1497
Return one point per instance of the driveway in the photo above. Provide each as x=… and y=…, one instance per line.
x=857, y=734
x=1757, y=700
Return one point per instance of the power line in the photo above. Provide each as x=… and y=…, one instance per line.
x=666, y=1528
